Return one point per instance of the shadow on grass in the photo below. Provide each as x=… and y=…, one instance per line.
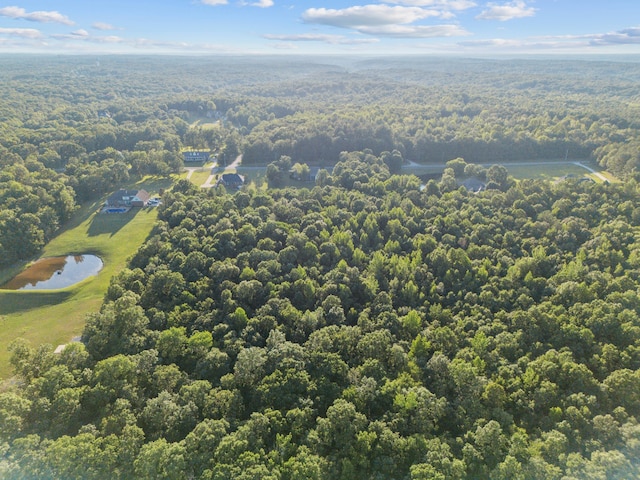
x=13, y=302
x=199, y=164
x=110, y=223
x=7, y=273
x=252, y=174
x=84, y=212
x=154, y=185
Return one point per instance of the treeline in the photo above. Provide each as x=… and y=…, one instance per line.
x=423, y=133
x=383, y=330
x=33, y=205
x=485, y=112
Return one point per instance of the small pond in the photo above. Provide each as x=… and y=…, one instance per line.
x=55, y=272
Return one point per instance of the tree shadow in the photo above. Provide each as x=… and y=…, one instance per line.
x=84, y=212
x=19, y=301
x=155, y=185
x=111, y=223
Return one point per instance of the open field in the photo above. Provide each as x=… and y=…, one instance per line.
x=56, y=316
x=199, y=174
x=549, y=170
x=199, y=177
x=252, y=174
x=419, y=169
x=609, y=176
x=205, y=123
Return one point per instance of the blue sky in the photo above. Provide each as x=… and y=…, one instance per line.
x=466, y=27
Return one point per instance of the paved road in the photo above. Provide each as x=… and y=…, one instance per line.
x=190, y=170
x=209, y=182
x=216, y=170
x=236, y=162
x=597, y=174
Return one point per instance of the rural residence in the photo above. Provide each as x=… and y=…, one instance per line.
x=196, y=156
x=230, y=180
x=128, y=198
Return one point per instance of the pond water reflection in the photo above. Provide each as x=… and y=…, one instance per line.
x=55, y=272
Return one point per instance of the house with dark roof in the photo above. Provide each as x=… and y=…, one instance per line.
x=231, y=180
x=196, y=156
x=128, y=198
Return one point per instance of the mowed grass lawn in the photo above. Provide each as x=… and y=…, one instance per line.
x=199, y=178
x=56, y=316
x=550, y=171
x=544, y=170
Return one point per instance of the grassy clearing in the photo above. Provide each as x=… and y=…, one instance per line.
x=56, y=316
x=199, y=178
x=421, y=170
x=610, y=178
x=549, y=172
x=252, y=174
x=205, y=123
x=197, y=172
x=198, y=165
x=553, y=171
x=256, y=174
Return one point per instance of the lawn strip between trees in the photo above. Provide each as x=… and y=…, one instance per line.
x=55, y=317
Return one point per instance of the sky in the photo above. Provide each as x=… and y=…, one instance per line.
x=385, y=27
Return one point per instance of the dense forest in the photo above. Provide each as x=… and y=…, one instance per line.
x=73, y=129
x=381, y=331
x=369, y=326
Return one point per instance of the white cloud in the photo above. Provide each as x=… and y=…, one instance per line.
x=30, y=40
x=21, y=32
x=496, y=42
x=443, y=4
x=385, y=20
x=561, y=43
x=111, y=43
x=366, y=16
x=632, y=31
x=628, y=36
x=415, y=31
x=39, y=16
x=285, y=46
x=214, y=2
x=103, y=26
x=84, y=36
x=108, y=39
x=529, y=45
x=318, y=37
x=508, y=11
x=262, y=3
